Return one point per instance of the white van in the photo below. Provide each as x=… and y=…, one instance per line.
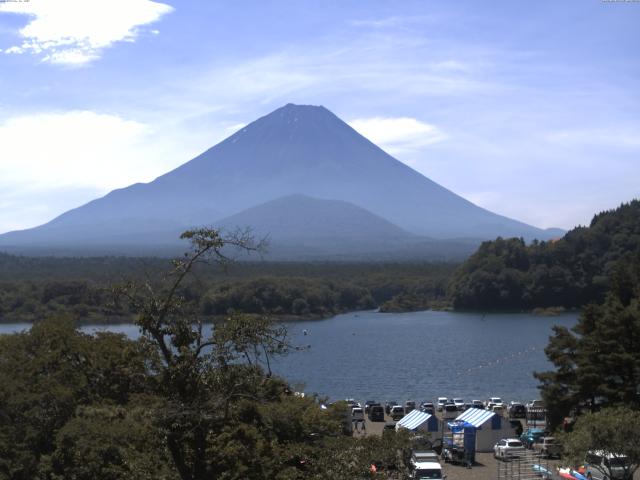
x=357, y=414
x=600, y=465
x=427, y=471
x=396, y=412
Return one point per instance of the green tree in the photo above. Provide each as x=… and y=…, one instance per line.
x=598, y=363
x=614, y=433
x=204, y=380
x=46, y=374
x=109, y=443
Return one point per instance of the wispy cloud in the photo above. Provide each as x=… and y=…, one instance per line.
x=398, y=135
x=624, y=137
x=74, y=32
x=394, y=21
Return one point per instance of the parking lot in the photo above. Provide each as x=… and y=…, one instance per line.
x=485, y=468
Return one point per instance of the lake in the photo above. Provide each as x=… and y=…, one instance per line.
x=417, y=356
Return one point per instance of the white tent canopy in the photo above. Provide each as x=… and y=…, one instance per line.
x=475, y=416
x=413, y=420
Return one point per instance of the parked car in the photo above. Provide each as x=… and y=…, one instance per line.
x=441, y=402
x=517, y=410
x=450, y=411
x=548, y=447
x=357, y=413
x=507, y=448
x=535, y=404
x=492, y=402
x=352, y=403
x=531, y=436
x=600, y=466
x=397, y=412
x=418, y=456
x=428, y=407
x=388, y=405
x=477, y=404
x=425, y=465
x=459, y=403
x=376, y=413
x=499, y=409
x=427, y=470
x=368, y=403
x=409, y=405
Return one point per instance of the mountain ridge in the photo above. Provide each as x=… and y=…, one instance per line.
x=293, y=150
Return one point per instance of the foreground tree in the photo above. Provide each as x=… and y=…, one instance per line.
x=185, y=401
x=614, y=433
x=206, y=381
x=598, y=363
x=50, y=372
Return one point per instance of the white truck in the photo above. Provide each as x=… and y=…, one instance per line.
x=427, y=471
x=425, y=466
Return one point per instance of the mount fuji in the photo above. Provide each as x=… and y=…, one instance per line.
x=300, y=175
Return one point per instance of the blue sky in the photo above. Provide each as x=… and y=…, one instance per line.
x=531, y=110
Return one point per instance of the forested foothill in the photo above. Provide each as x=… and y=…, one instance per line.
x=570, y=272
x=32, y=288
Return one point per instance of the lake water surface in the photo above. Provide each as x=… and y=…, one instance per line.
x=418, y=355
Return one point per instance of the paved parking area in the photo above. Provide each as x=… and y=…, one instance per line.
x=486, y=467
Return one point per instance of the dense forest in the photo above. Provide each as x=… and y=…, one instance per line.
x=507, y=274
x=597, y=362
x=33, y=288
x=172, y=405
x=504, y=274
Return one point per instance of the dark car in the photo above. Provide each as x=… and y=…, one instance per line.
x=368, y=403
x=409, y=405
x=517, y=410
x=376, y=413
x=428, y=407
x=388, y=405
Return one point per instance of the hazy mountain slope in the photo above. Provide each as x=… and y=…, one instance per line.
x=300, y=216
x=295, y=149
x=298, y=227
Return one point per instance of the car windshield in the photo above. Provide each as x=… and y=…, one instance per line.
x=515, y=444
x=427, y=474
x=619, y=462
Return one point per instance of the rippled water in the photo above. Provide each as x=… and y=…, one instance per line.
x=422, y=355
x=419, y=355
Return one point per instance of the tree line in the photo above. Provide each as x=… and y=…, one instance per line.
x=82, y=288
x=507, y=274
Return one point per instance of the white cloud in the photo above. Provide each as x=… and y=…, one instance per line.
x=74, y=32
x=52, y=162
x=71, y=149
x=623, y=137
x=398, y=134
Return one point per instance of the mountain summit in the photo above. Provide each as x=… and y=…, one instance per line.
x=297, y=149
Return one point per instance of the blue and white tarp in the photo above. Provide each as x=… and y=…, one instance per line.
x=413, y=420
x=475, y=416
